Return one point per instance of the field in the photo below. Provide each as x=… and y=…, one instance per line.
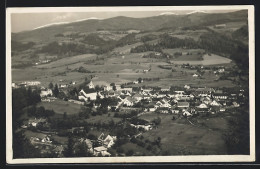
x=207, y=60
x=181, y=138
x=122, y=70
x=194, y=34
x=60, y=106
x=187, y=54
x=68, y=61
x=60, y=140
x=104, y=118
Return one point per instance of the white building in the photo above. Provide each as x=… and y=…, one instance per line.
x=91, y=85
x=46, y=93
x=85, y=96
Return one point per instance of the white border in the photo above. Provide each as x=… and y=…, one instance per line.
x=141, y=159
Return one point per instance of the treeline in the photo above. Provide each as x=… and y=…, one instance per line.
x=22, y=98
x=94, y=39
x=172, y=42
x=110, y=45
x=211, y=41
x=148, y=37
x=217, y=43
x=101, y=46
x=241, y=33
x=126, y=115
x=146, y=47
x=39, y=112
x=237, y=136
x=65, y=49
x=18, y=46
x=166, y=41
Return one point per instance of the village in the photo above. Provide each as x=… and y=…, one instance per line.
x=181, y=102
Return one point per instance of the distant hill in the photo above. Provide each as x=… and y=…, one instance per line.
x=126, y=23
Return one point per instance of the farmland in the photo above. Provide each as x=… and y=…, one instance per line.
x=163, y=85
x=122, y=70
x=60, y=106
x=179, y=136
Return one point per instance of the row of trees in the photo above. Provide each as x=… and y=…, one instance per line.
x=22, y=98
x=39, y=112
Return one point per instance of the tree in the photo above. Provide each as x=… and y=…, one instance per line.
x=22, y=148
x=69, y=150
x=157, y=121
x=129, y=152
x=82, y=150
x=51, y=85
x=56, y=90
x=65, y=115
x=114, y=88
x=139, y=80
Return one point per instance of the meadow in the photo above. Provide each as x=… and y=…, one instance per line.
x=179, y=137
x=60, y=106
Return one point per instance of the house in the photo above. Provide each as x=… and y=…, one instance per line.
x=34, y=122
x=91, y=85
x=135, y=82
x=206, y=100
x=101, y=151
x=32, y=83
x=165, y=89
x=221, y=70
x=76, y=101
x=186, y=113
x=186, y=97
x=107, y=87
x=164, y=110
x=161, y=95
x=145, y=127
x=129, y=89
x=202, y=106
x=164, y=103
x=235, y=104
x=219, y=26
x=14, y=85
x=175, y=111
x=76, y=130
x=186, y=87
x=220, y=96
x=45, y=93
x=215, y=103
x=85, y=96
x=46, y=140
x=109, y=141
x=63, y=85
x=138, y=97
x=180, y=92
x=128, y=101
x=202, y=110
x=183, y=104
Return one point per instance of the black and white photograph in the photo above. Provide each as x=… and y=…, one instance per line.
x=130, y=84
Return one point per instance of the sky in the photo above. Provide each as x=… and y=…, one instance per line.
x=29, y=21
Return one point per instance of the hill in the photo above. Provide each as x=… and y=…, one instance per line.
x=126, y=23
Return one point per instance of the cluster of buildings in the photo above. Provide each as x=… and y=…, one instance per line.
x=43, y=61
x=188, y=101
x=26, y=84
x=100, y=146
